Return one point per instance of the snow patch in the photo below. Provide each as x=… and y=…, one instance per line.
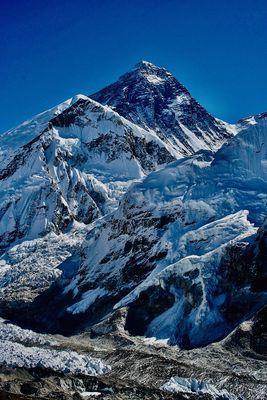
x=17, y=355
x=188, y=385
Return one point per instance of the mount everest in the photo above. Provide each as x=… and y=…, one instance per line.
x=134, y=203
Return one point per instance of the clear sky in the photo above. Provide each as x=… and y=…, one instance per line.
x=53, y=49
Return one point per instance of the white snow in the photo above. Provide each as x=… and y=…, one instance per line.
x=25, y=348
x=10, y=332
x=190, y=385
x=15, y=138
x=201, y=241
x=65, y=168
x=87, y=299
x=154, y=79
x=216, y=200
x=55, y=186
x=17, y=355
x=32, y=265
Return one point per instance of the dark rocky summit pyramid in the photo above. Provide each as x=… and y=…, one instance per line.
x=153, y=98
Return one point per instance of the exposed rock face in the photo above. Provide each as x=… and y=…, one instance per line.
x=211, y=295
x=250, y=336
x=152, y=98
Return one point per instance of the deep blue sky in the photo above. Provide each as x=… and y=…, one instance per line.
x=51, y=50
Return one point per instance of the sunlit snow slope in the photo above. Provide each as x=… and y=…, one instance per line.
x=181, y=250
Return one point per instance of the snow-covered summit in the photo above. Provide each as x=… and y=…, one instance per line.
x=15, y=138
x=59, y=172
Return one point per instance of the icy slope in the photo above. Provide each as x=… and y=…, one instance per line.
x=252, y=120
x=17, y=137
x=30, y=267
x=172, y=244
x=152, y=98
x=48, y=178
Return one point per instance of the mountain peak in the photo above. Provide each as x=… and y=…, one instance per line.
x=151, y=97
x=146, y=68
x=146, y=65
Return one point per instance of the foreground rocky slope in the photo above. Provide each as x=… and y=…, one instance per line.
x=140, y=369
